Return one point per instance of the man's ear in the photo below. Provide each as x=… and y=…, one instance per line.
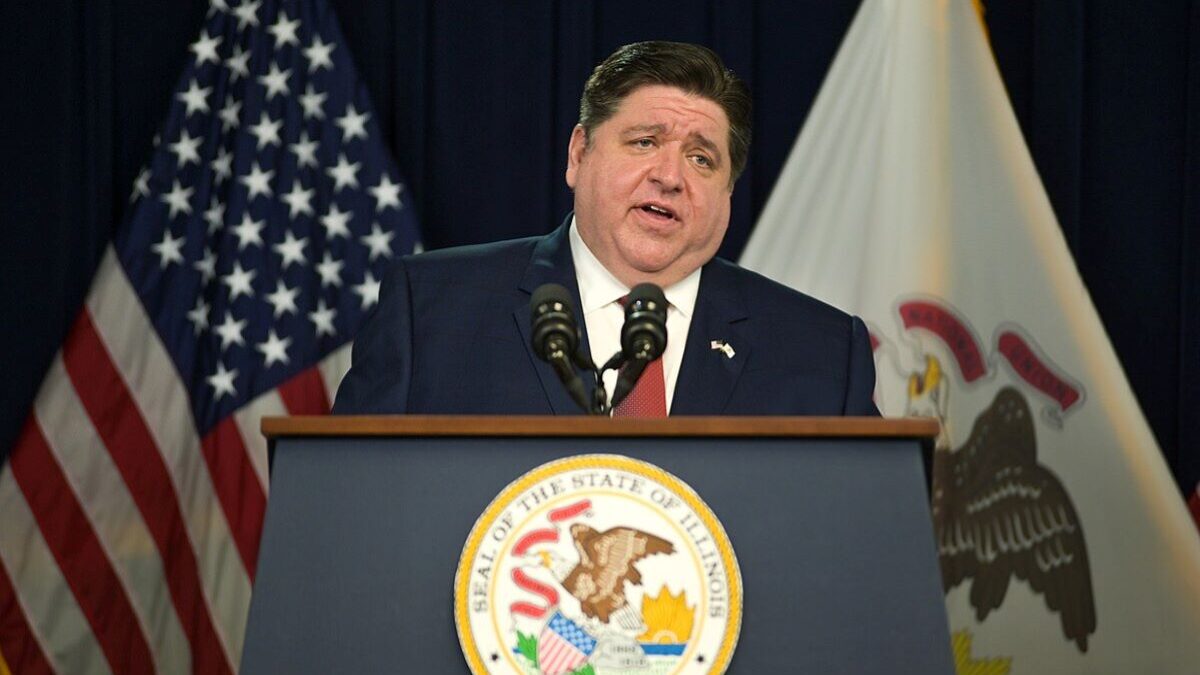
x=575, y=152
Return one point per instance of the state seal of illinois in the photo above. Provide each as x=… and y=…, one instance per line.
x=598, y=565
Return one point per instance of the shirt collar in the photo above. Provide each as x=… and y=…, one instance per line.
x=598, y=287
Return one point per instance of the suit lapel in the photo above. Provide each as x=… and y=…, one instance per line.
x=708, y=376
x=551, y=263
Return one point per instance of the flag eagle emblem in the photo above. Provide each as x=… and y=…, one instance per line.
x=998, y=514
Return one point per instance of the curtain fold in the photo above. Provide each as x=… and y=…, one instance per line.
x=478, y=100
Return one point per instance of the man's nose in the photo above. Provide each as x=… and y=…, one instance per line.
x=667, y=170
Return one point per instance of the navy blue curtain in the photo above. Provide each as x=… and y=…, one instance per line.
x=478, y=99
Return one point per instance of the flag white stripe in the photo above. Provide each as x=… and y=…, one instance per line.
x=114, y=516
x=150, y=376
x=560, y=653
x=248, y=419
x=54, y=616
x=333, y=368
x=552, y=657
x=546, y=653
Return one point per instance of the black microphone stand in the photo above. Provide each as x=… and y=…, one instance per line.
x=556, y=339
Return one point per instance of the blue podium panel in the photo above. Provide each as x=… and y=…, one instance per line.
x=363, y=537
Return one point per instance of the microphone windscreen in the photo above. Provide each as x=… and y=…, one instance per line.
x=548, y=294
x=644, y=333
x=647, y=297
x=552, y=318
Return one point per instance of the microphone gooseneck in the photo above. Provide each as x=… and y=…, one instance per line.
x=555, y=338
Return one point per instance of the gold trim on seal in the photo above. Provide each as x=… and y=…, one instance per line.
x=596, y=461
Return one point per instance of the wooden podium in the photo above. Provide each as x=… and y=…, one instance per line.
x=829, y=519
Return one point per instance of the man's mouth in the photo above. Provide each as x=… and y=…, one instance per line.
x=658, y=211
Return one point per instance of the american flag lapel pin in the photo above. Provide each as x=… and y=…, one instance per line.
x=723, y=347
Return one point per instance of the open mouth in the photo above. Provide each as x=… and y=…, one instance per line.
x=658, y=212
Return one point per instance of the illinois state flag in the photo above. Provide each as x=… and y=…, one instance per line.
x=133, y=499
x=910, y=199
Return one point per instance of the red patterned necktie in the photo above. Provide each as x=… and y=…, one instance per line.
x=649, y=395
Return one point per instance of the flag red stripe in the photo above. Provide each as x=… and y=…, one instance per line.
x=559, y=656
x=19, y=649
x=305, y=394
x=80, y=557
x=236, y=483
x=120, y=425
x=550, y=660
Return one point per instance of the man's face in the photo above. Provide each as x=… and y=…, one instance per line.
x=652, y=186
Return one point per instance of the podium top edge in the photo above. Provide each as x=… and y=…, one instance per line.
x=544, y=426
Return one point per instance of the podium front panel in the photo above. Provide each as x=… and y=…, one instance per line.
x=363, y=537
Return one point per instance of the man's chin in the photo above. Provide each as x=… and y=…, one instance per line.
x=662, y=271
x=652, y=263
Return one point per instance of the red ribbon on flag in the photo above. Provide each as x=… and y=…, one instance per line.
x=1038, y=373
x=944, y=324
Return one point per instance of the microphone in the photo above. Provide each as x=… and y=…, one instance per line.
x=555, y=337
x=643, y=337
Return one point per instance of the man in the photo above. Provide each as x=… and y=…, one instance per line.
x=663, y=133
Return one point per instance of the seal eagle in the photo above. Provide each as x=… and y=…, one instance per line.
x=606, y=562
x=999, y=514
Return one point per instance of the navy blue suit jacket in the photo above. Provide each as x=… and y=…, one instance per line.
x=451, y=335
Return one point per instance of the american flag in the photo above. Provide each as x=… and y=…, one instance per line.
x=253, y=247
x=563, y=646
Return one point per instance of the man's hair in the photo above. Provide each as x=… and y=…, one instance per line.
x=692, y=68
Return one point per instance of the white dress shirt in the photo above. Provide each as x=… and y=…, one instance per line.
x=600, y=292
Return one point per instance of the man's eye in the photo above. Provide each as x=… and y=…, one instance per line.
x=702, y=161
x=644, y=143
